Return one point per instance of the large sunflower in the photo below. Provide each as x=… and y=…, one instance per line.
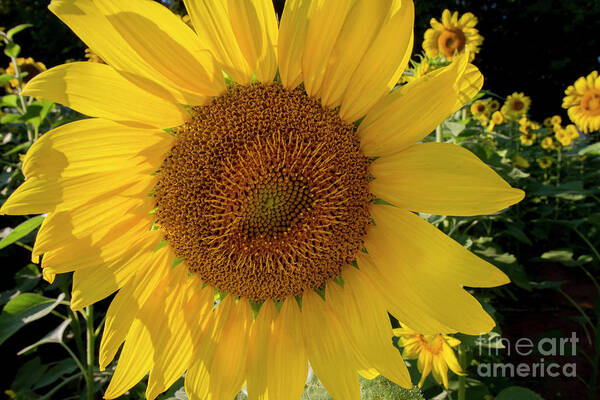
x=582, y=100
x=453, y=36
x=264, y=192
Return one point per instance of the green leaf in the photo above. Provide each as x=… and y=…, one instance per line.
x=518, y=393
x=11, y=119
x=5, y=78
x=9, y=101
x=37, y=112
x=22, y=230
x=591, y=149
x=12, y=32
x=12, y=50
x=518, y=234
x=560, y=256
x=55, y=372
x=55, y=336
x=453, y=128
x=23, y=309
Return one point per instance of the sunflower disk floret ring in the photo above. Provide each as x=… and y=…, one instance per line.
x=248, y=190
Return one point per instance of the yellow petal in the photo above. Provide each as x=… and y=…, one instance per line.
x=98, y=90
x=134, y=363
x=255, y=26
x=89, y=223
x=84, y=18
x=185, y=304
x=287, y=373
x=219, y=372
x=291, y=41
x=38, y=195
x=383, y=64
x=450, y=359
x=120, y=241
x=442, y=179
x=330, y=350
x=326, y=18
x=411, y=112
x=93, y=284
x=92, y=145
x=406, y=306
x=213, y=27
x=128, y=302
x=425, y=265
x=367, y=320
x=166, y=43
x=259, y=349
x=360, y=28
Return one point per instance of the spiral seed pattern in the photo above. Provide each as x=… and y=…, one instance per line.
x=265, y=192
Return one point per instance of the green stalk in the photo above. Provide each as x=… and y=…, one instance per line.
x=438, y=134
x=89, y=324
x=462, y=379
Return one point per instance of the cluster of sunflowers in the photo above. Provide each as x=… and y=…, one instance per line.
x=249, y=245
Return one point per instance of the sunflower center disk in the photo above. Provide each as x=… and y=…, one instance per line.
x=265, y=193
x=451, y=40
x=591, y=102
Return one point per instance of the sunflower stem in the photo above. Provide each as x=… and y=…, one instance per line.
x=462, y=379
x=89, y=323
x=438, y=133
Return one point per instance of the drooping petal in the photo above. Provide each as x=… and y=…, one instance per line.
x=421, y=263
x=288, y=370
x=98, y=90
x=442, y=179
x=383, y=64
x=366, y=319
x=128, y=302
x=90, y=24
x=183, y=300
x=414, y=110
x=255, y=27
x=166, y=43
x=94, y=284
x=259, y=349
x=134, y=362
x=219, y=367
x=330, y=350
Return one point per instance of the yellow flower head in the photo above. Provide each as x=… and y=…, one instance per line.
x=262, y=191
x=26, y=65
x=548, y=122
x=556, y=120
x=563, y=137
x=520, y=161
x=494, y=105
x=452, y=36
x=572, y=131
x=497, y=117
x=547, y=143
x=479, y=109
x=434, y=354
x=527, y=139
x=582, y=100
x=545, y=162
x=516, y=106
